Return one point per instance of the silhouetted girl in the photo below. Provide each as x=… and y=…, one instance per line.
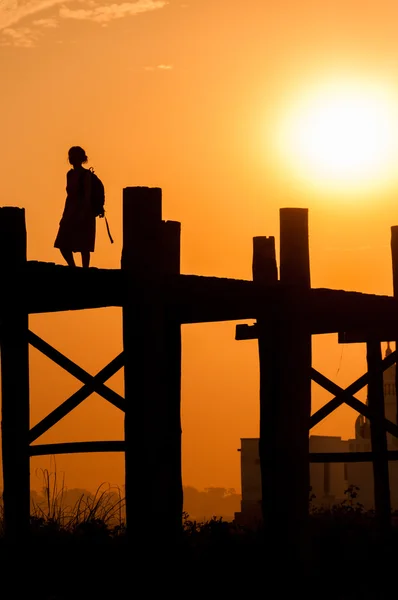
x=77, y=227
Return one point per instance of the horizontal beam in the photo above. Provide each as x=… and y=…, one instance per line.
x=195, y=299
x=331, y=311
x=118, y=446
x=198, y=299
x=243, y=332
x=55, y=288
x=363, y=336
x=348, y=457
x=76, y=448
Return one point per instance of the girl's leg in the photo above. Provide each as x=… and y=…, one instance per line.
x=68, y=256
x=86, y=259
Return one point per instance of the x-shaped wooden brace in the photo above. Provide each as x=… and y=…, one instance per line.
x=92, y=383
x=249, y=332
x=347, y=396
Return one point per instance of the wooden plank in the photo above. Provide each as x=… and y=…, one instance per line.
x=77, y=398
x=199, y=299
x=205, y=299
x=362, y=336
x=331, y=311
x=346, y=396
x=71, y=367
x=348, y=457
x=378, y=437
x=294, y=377
x=76, y=448
x=381, y=334
x=14, y=376
x=55, y=288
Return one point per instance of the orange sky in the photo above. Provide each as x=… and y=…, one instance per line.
x=187, y=96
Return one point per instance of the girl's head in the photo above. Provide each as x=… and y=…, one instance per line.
x=77, y=156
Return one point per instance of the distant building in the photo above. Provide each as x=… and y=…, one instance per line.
x=328, y=480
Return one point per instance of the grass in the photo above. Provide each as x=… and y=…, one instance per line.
x=53, y=516
x=102, y=514
x=91, y=559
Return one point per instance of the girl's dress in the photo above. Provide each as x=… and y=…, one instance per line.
x=77, y=226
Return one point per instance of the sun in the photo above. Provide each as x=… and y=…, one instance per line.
x=342, y=135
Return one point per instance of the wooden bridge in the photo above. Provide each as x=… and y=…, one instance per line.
x=156, y=299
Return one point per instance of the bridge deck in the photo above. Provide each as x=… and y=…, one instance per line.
x=48, y=287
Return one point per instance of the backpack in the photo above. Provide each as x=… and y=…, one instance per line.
x=97, y=194
x=98, y=199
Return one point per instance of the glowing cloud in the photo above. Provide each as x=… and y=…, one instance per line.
x=23, y=37
x=159, y=68
x=105, y=13
x=46, y=23
x=13, y=11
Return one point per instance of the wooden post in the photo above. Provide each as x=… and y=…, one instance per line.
x=152, y=374
x=294, y=247
x=265, y=272
x=378, y=438
x=264, y=268
x=294, y=383
x=171, y=244
x=394, y=258
x=14, y=374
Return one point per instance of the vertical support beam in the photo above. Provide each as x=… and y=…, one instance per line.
x=294, y=383
x=378, y=437
x=142, y=341
x=152, y=376
x=264, y=267
x=265, y=272
x=294, y=247
x=171, y=252
x=394, y=258
x=14, y=374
